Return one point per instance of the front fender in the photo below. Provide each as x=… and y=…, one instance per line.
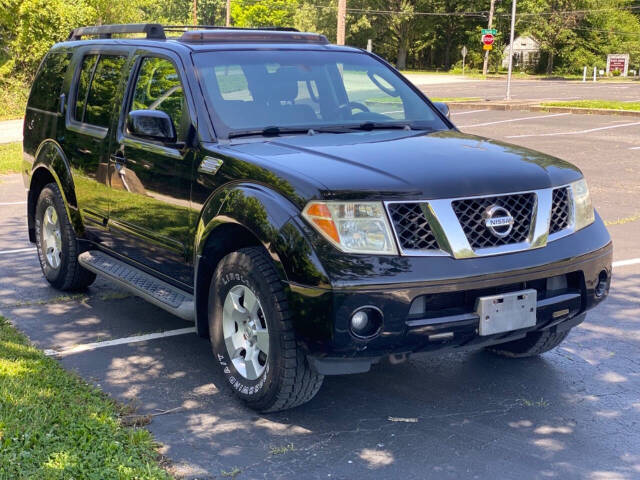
x=272, y=220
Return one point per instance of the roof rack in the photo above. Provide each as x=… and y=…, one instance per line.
x=194, y=33
x=154, y=31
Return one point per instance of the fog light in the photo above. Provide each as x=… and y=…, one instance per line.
x=601, y=287
x=366, y=322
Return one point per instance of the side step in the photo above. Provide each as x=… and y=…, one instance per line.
x=140, y=283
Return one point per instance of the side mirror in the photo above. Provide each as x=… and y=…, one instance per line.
x=443, y=108
x=151, y=124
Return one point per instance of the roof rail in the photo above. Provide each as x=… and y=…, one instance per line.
x=154, y=31
x=183, y=28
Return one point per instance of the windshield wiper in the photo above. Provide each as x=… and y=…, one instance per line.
x=274, y=131
x=368, y=126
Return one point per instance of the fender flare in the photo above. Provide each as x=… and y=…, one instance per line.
x=51, y=157
x=266, y=215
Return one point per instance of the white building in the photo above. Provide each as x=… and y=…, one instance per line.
x=526, y=53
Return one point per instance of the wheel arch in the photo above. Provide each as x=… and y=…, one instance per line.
x=238, y=216
x=51, y=166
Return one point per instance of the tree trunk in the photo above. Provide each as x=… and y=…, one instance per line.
x=550, y=63
x=401, y=61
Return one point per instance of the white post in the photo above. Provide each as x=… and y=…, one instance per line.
x=594, y=74
x=584, y=74
x=369, y=46
x=513, y=27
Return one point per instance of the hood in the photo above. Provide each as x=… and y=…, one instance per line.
x=410, y=164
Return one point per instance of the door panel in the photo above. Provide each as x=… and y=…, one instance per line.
x=150, y=213
x=89, y=118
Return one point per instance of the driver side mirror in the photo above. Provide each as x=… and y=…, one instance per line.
x=152, y=125
x=443, y=108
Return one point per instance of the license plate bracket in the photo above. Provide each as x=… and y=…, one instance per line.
x=506, y=312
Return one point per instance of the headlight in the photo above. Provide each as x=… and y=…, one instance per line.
x=583, y=210
x=356, y=227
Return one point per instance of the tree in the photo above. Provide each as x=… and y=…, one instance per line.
x=267, y=13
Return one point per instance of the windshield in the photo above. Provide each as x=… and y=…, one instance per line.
x=261, y=89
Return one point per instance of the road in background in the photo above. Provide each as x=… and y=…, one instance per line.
x=571, y=413
x=532, y=89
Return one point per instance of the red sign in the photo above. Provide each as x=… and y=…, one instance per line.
x=617, y=63
x=488, y=39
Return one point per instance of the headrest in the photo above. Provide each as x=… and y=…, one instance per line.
x=283, y=86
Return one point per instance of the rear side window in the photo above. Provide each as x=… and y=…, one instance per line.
x=97, y=106
x=86, y=72
x=47, y=87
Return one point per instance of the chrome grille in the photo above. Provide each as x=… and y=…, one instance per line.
x=470, y=213
x=560, y=210
x=412, y=227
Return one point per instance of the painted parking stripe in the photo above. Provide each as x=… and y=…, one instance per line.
x=578, y=132
x=119, y=341
x=17, y=250
x=514, y=120
x=13, y=203
x=470, y=111
x=626, y=263
x=634, y=148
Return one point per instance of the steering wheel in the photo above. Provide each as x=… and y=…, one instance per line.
x=358, y=105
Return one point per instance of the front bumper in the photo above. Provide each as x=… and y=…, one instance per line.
x=322, y=315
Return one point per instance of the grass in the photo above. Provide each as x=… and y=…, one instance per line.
x=13, y=98
x=55, y=426
x=10, y=157
x=608, y=104
x=282, y=450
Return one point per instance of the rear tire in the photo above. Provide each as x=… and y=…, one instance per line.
x=246, y=297
x=535, y=343
x=57, y=244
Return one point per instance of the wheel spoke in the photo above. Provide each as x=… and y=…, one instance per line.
x=233, y=310
x=234, y=343
x=262, y=341
x=250, y=302
x=252, y=366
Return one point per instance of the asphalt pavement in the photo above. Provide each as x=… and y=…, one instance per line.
x=534, y=89
x=571, y=413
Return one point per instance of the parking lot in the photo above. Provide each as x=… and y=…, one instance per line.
x=572, y=413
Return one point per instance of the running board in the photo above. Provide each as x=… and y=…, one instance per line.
x=140, y=283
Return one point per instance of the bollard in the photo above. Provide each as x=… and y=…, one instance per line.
x=594, y=74
x=584, y=74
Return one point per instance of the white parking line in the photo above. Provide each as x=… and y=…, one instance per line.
x=470, y=111
x=626, y=263
x=119, y=341
x=578, y=132
x=17, y=250
x=13, y=203
x=514, y=120
x=634, y=148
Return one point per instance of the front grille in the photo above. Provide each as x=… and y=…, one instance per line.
x=471, y=211
x=560, y=210
x=412, y=228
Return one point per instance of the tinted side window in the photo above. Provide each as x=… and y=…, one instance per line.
x=104, y=87
x=158, y=87
x=47, y=87
x=86, y=71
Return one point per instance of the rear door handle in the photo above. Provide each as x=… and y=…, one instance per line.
x=119, y=158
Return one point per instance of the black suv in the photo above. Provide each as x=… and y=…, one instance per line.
x=308, y=207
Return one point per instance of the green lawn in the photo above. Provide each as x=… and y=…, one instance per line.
x=10, y=157
x=55, y=426
x=609, y=104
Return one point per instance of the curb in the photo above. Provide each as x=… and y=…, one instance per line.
x=535, y=107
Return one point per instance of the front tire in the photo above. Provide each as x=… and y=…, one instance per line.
x=252, y=334
x=535, y=343
x=57, y=244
